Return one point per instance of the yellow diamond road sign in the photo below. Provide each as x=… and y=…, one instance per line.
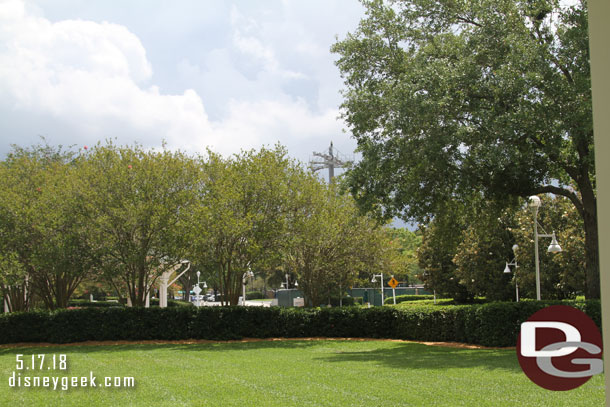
x=393, y=283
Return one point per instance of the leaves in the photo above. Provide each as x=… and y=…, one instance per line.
x=450, y=101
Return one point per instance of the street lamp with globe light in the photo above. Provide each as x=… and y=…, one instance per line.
x=374, y=280
x=508, y=271
x=534, y=203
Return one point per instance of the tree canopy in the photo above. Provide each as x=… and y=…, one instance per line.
x=123, y=215
x=450, y=100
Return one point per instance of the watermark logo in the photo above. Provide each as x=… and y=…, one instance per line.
x=560, y=348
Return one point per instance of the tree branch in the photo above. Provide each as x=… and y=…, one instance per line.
x=468, y=21
x=571, y=195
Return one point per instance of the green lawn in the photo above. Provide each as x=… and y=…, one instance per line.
x=291, y=373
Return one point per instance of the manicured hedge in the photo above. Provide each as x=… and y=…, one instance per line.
x=96, y=304
x=346, y=301
x=492, y=324
x=402, y=298
x=254, y=295
x=154, y=302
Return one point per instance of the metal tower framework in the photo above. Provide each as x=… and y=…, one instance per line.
x=330, y=161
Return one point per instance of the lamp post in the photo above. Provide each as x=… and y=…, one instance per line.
x=507, y=270
x=374, y=280
x=286, y=284
x=197, y=290
x=534, y=203
x=247, y=274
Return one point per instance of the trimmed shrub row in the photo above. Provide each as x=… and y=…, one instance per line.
x=254, y=295
x=154, y=302
x=403, y=298
x=96, y=304
x=492, y=324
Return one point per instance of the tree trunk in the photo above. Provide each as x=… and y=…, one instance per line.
x=18, y=297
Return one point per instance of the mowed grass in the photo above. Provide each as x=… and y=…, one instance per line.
x=292, y=373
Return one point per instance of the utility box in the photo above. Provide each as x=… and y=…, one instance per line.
x=285, y=297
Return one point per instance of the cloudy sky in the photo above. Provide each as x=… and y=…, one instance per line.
x=230, y=75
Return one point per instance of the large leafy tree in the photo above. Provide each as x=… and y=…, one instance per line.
x=449, y=99
x=331, y=243
x=464, y=255
x=561, y=274
x=43, y=235
x=405, y=244
x=137, y=205
x=440, y=240
x=485, y=247
x=239, y=222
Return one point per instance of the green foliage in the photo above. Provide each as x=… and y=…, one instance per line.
x=453, y=100
x=331, y=243
x=406, y=242
x=254, y=295
x=44, y=241
x=239, y=222
x=410, y=297
x=472, y=247
x=114, y=218
x=491, y=324
x=485, y=248
x=562, y=274
x=441, y=237
x=96, y=304
x=136, y=205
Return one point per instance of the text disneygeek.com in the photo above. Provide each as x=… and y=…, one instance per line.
x=59, y=362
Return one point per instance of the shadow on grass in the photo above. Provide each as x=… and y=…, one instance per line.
x=418, y=356
x=395, y=355
x=187, y=347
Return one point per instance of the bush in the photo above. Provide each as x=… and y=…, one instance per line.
x=96, y=304
x=491, y=324
x=154, y=302
x=403, y=298
x=254, y=295
x=347, y=301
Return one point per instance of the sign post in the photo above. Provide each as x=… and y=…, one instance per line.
x=393, y=283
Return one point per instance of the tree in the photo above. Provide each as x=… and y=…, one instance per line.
x=137, y=204
x=331, y=243
x=42, y=231
x=449, y=99
x=464, y=255
x=485, y=248
x=561, y=274
x=440, y=239
x=13, y=283
x=239, y=220
x=405, y=243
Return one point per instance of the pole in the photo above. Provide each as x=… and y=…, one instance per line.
x=243, y=286
x=394, y=294
x=381, y=274
x=199, y=293
x=536, y=253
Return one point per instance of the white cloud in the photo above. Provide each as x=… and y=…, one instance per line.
x=81, y=81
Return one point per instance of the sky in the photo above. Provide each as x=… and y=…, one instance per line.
x=228, y=75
